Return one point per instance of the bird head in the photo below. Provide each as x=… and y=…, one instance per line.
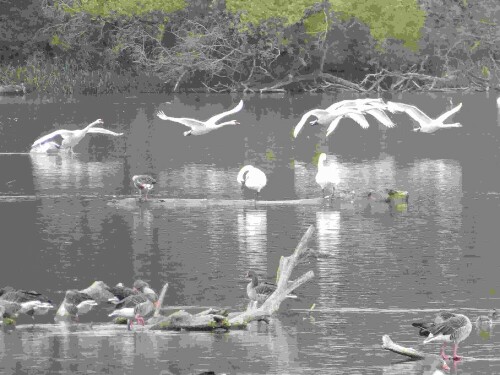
x=233, y=122
x=314, y=122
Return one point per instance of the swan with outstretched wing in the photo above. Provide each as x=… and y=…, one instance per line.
x=426, y=124
x=68, y=138
x=203, y=127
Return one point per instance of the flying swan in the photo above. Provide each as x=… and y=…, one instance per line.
x=203, y=127
x=427, y=125
x=354, y=109
x=70, y=138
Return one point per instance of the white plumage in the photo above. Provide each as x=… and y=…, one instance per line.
x=327, y=175
x=426, y=124
x=253, y=178
x=70, y=138
x=202, y=127
x=354, y=109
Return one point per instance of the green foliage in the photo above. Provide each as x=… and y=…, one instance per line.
x=128, y=8
x=398, y=19
x=270, y=155
x=476, y=44
x=317, y=153
x=316, y=23
x=485, y=72
x=257, y=11
x=492, y=292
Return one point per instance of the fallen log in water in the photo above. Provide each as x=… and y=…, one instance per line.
x=414, y=354
x=220, y=319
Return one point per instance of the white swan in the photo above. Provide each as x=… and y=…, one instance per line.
x=202, y=127
x=427, y=125
x=354, y=109
x=253, y=178
x=70, y=138
x=327, y=175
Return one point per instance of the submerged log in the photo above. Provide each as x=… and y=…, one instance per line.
x=220, y=319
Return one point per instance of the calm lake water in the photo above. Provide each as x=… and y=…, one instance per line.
x=63, y=227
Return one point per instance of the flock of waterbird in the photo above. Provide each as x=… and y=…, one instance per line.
x=136, y=303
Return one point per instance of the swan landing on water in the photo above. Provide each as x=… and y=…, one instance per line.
x=70, y=138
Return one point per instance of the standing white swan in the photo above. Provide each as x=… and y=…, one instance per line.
x=70, y=138
x=253, y=178
x=427, y=125
x=354, y=109
x=327, y=175
x=203, y=127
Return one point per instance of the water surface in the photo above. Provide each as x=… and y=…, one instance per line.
x=379, y=269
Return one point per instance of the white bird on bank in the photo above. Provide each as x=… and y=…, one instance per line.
x=354, y=109
x=202, y=127
x=70, y=138
x=426, y=124
x=143, y=182
x=253, y=178
x=327, y=175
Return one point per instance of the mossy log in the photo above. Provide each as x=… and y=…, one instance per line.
x=220, y=319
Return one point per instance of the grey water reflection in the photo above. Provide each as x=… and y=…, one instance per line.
x=379, y=268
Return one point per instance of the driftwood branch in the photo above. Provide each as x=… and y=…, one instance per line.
x=411, y=353
x=220, y=319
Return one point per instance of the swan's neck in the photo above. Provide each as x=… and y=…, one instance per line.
x=454, y=125
x=223, y=124
x=86, y=129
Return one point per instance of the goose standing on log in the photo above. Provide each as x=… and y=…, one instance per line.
x=426, y=124
x=327, y=175
x=138, y=306
x=252, y=178
x=446, y=327
x=259, y=292
x=203, y=127
x=75, y=303
x=144, y=182
x=70, y=138
x=31, y=302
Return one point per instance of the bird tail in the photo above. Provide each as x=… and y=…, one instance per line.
x=424, y=328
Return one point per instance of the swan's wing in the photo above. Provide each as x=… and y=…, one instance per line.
x=51, y=137
x=144, y=179
x=359, y=118
x=445, y=115
x=356, y=103
x=189, y=122
x=333, y=125
x=213, y=120
x=411, y=110
x=103, y=131
x=314, y=112
x=381, y=116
